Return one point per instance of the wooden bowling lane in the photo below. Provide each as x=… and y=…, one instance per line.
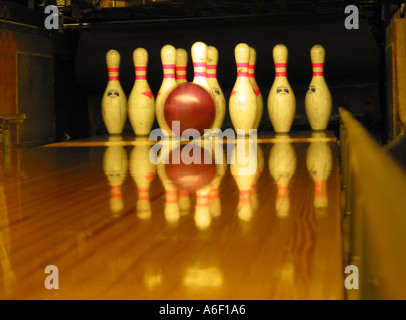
x=85, y=211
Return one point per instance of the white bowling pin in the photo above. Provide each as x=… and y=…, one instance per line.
x=243, y=101
x=319, y=162
x=281, y=99
x=199, y=58
x=244, y=169
x=168, y=58
x=181, y=65
x=142, y=171
x=115, y=165
x=141, y=102
x=251, y=75
x=318, y=101
x=114, y=102
x=282, y=166
x=211, y=76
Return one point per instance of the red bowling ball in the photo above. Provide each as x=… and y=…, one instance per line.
x=192, y=106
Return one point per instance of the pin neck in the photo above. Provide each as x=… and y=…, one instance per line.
x=320, y=188
x=168, y=70
x=213, y=71
x=180, y=72
x=199, y=69
x=280, y=69
x=318, y=69
x=251, y=70
x=113, y=74
x=140, y=72
x=242, y=69
x=283, y=192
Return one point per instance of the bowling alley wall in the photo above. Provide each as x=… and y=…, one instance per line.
x=352, y=66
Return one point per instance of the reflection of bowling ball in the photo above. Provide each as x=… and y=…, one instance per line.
x=189, y=167
x=192, y=106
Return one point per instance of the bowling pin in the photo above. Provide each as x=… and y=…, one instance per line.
x=199, y=58
x=114, y=102
x=281, y=99
x=115, y=165
x=244, y=168
x=282, y=166
x=141, y=102
x=318, y=101
x=211, y=76
x=243, y=101
x=168, y=58
x=251, y=75
x=181, y=65
x=319, y=162
x=143, y=172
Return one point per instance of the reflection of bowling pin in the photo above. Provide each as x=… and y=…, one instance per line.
x=281, y=99
x=261, y=164
x=318, y=101
x=221, y=168
x=211, y=76
x=181, y=65
x=202, y=210
x=141, y=102
x=115, y=165
x=171, y=211
x=168, y=58
x=184, y=202
x=282, y=166
x=244, y=169
x=143, y=172
x=251, y=75
x=114, y=102
x=319, y=162
x=243, y=101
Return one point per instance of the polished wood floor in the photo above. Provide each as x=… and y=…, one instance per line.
x=117, y=227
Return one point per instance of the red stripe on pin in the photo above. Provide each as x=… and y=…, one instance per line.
x=242, y=65
x=211, y=66
x=181, y=76
x=113, y=69
x=318, y=65
x=200, y=74
x=280, y=74
x=141, y=77
x=141, y=68
x=211, y=75
x=199, y=64
x=169, y=75
x=168, y=66
x=280, y=65
x=113, y=78
x=242, y=74
x=251, y=67
x=318, y=73
x=181, y=68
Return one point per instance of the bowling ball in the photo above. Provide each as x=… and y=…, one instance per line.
x=191, y=168
x=192, y=106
